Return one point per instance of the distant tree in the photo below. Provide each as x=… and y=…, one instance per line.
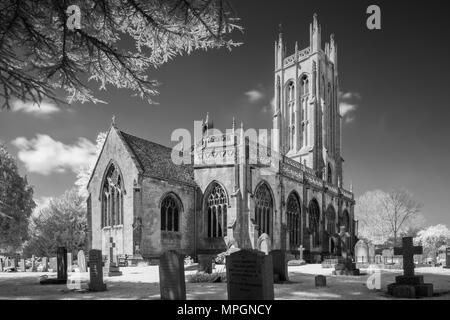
x=84, y=173
x=16, y=203
x=384, y=216
x=61, y=223
x=432, y=238
x=369, y=211
x=41, y=52
x=401, y=210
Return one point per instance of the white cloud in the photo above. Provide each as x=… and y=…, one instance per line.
x=44, y=155
x=346, y=108
x=44, y=109
x=254, y=96
x=270, y=108
x=349, y=103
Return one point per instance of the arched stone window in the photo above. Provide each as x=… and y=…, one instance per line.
x=331, y=220
x=290, y=94
x=329, y=174
x=304, y=82
x=112, y=197
x=314, y=222
x=216, y=208
x=264, y=209
x=170, y=213
x=345, y=220
x=293, y=213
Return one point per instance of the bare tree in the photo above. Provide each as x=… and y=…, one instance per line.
x=386, y=215
x=400, y=208
x=117, y=43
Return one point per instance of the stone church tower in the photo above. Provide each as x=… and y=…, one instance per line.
x=237, y=191
x=306, y=105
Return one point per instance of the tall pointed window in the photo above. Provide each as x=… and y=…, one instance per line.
x=331, y=220
x=304, y=86
x=216, y=206
x=345, y=221
x=293, y=221
x=291, y=109
x=314, y=222
x=264, y=209
x=329, y=174
x=112, y=198
x=170, y=211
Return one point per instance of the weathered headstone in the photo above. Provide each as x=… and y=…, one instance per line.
x=345, y=265
x=81, y=260
x=13, y=263
x=205, y=263
x=1, y=264
x=280, y=266
x=409, y=285
x=264, y=243
x=69, y=261
x=388, y=256
x=61, y=266
x=33, y=264
x=113, y=267
x=301, y=249
x=371, y=252
x=22, y=265
x=249, y=276
x=447, y=258
x=361, y=252
x=96, y=271
x=53, y=264
x=172, y=283
x=378, y=259
x=321, y=281
x=44, y=264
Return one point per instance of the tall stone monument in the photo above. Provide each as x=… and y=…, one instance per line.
x=409, y=285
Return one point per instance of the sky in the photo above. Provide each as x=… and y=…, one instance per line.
x=395, y=96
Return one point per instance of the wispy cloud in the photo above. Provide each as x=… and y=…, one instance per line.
x=44, y=155
x=349, y=103
x=254, y=96
x=42, y=110
x=269, y=108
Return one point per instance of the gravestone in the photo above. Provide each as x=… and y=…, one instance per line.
x=249, y=276
x=371, y=253
x=22, y=265
x=300, y=250
x=96, y=271
x=361, y=252
x=33, y=264
x=264, y=243
x=172, y=283
x=69, y=261
x=205, y=263
x=409, y=285
x=61, y=266
x=280, y=266
x=388, y=256
x=447, y=258
x=113, y=267
x=345, y=265
x=44, y=264
x=13, y=263
x=53, y=264
x=81, y=260
x=321, y=281
x=378, y=259
x=1, y=264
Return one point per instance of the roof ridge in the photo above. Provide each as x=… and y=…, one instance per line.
x=152, y=142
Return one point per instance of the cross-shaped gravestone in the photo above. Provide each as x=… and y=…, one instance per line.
x=112, y=245
x=408, y=250
x=301, y=249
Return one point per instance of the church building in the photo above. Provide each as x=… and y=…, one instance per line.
x=236, y=190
